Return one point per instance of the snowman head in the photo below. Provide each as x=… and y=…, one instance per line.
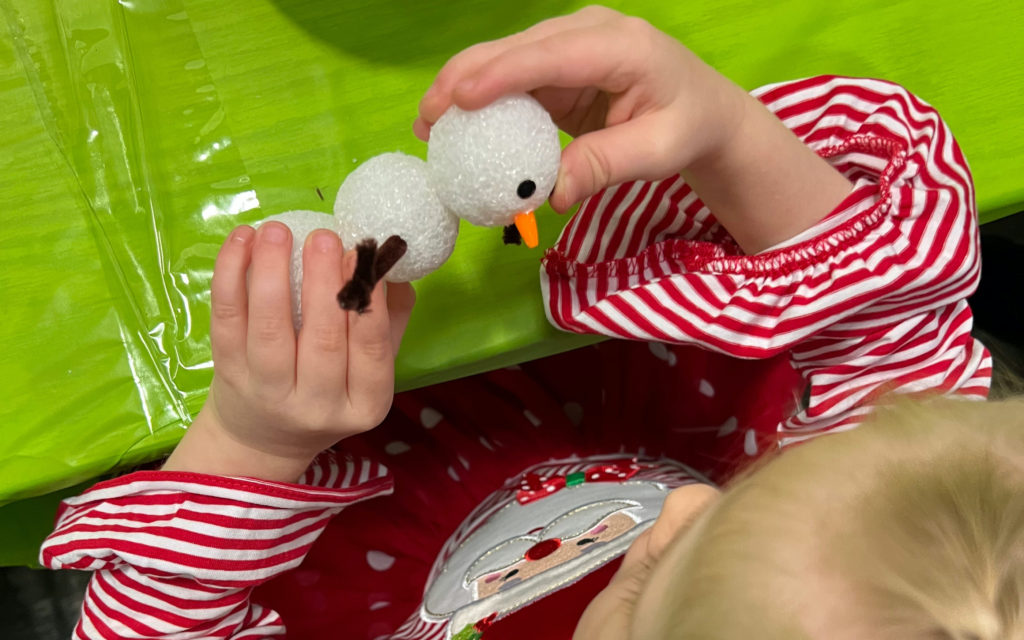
x=489, y=165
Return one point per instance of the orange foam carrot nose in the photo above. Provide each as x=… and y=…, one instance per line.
x=526, y=224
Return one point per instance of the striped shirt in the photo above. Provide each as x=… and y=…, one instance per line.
x=176, y=555
x=870, y=300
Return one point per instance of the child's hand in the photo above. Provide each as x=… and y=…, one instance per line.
x=277, y=400
x=644, y=107
x=641, y=105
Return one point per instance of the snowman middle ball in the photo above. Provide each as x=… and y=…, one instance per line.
x=390, y=195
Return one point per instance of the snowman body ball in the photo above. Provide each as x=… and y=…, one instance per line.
x=391, y=195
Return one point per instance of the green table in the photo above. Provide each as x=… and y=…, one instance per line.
x=136, y=134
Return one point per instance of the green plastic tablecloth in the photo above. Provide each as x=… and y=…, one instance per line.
x=136, y=133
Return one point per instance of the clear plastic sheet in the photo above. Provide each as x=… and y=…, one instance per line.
x=136, y=134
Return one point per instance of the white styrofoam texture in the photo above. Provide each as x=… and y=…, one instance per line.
x=301, y=223
x=477, y=159
x=390, y=194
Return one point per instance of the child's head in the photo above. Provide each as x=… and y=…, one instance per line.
x=910, y=527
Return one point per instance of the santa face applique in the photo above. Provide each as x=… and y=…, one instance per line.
x=547, y=550
x=558, y=522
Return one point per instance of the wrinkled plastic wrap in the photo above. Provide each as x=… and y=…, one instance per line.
x=136, y=134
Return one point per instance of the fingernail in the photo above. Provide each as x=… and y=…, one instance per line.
x=242, y=234
x=324, y=241
x=275, y=233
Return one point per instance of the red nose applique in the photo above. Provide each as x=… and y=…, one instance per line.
x=543, y=549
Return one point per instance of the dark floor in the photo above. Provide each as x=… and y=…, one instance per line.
x=39, y=605
x=43, y=605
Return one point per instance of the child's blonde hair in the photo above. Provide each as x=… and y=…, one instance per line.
x=910, y=527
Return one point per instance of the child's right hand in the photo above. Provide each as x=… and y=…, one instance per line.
x=640, y=104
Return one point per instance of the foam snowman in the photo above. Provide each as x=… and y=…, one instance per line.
x=491, y=167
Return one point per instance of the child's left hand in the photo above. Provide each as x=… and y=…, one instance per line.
x=277, y=399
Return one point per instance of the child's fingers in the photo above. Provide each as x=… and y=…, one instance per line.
x=401, y=298
x=371, y=357
x=628, y=151
x=466, y=63
x=271, y=335
x=589, y=57
x=229, y=301
x=437, y=99
x=320, y=364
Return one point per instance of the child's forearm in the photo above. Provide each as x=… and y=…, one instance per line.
x=763, y=184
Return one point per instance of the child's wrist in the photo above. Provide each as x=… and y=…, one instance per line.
x=728, y=109
x=207, y=447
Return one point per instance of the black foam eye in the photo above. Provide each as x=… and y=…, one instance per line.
x=526, y=189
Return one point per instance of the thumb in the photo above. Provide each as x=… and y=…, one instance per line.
x=633, y=150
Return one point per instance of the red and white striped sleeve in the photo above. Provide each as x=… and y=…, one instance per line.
x=177, y=554
x=870, y=300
